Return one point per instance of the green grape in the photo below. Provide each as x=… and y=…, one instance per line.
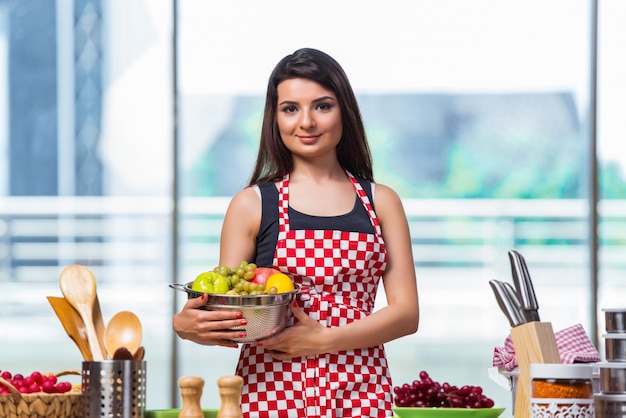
x=234, y=280
x=246, y=286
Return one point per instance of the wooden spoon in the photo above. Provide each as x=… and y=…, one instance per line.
x=122, y=353
x=73, y=324
x=123, y=330
x=140, y=353
x=78, y=286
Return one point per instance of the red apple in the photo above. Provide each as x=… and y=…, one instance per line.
x=262, y=274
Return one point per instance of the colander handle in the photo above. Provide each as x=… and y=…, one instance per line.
x=179, y=286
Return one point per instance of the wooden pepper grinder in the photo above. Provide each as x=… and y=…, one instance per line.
x=230, y=393
x=191, y=392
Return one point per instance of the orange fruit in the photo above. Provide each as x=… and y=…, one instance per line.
x=281, y=282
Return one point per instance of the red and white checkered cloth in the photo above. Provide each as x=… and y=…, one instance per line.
x=573, y=344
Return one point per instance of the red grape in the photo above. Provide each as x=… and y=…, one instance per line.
x=429, y=393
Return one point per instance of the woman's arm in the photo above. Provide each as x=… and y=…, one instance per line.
x=240, y=228
x=207, y=327
x=401, y=315
x=238, y=241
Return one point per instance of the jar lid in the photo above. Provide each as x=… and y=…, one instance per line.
x=610, y=397
x=619, y=310
x=561, y=371
x=614, y=335
x=612, y=365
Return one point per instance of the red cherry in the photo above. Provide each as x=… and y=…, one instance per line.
x=63, y=387
x=48, y=386
x=51, y=378
x=37, y=377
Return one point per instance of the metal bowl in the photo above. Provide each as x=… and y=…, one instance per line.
x=615, y=320
x=615, y=346
x=609, y=406
x=266, y=314
x=613, y=377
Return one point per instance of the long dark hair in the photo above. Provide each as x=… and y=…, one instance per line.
x=274, y=159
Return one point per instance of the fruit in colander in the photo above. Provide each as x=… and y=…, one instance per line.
x=204, y=282
x=279, y=281
x=245, y=279
x=261, y=274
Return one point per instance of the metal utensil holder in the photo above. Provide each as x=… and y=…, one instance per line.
x=114, y=388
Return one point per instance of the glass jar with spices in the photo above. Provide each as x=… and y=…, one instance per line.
x=561, y=390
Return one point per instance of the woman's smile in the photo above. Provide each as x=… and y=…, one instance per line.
x=309, y=139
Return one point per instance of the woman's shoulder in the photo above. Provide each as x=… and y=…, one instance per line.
x=245, y=199
x=386, y=190
x=385, y=197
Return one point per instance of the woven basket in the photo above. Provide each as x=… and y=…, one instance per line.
x=40, y=405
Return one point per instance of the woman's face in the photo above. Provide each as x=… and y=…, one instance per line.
x=308, y=117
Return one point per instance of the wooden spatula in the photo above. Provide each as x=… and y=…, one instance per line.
x=98, y=323
x=78, y=285
x=73, y=325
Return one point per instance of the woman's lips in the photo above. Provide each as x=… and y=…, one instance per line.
x=307, y=139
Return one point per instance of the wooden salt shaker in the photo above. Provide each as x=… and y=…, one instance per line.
x=191, y=392
x=230, y=393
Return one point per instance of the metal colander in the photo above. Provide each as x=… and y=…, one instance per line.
x=266, y=314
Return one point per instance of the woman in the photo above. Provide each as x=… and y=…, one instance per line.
x=312, y=211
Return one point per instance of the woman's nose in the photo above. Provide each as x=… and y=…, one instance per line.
x=307, y=121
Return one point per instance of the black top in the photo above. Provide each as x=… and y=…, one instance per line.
x=357, y=220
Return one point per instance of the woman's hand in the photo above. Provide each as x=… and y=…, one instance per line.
x=207, y=327
x=304, y=338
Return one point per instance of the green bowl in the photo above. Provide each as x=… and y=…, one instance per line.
x=448, y=412
x=173, y=413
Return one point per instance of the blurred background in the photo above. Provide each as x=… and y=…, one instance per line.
x=127, y=125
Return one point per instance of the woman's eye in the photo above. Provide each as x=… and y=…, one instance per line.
x=289, y=109
x=324, y=106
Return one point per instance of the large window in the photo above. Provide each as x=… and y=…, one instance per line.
x=477, y=121
x=479, y=113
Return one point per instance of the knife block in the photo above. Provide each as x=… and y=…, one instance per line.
x=533, y=342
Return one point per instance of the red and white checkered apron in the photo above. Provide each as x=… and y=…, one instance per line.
x=339, y=273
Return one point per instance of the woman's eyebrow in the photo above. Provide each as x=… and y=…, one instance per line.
x=319, y=99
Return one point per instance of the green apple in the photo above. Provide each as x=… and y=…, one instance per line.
x=221, y=284
x=204, y=282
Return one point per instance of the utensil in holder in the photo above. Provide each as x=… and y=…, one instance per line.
x=114, y=388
